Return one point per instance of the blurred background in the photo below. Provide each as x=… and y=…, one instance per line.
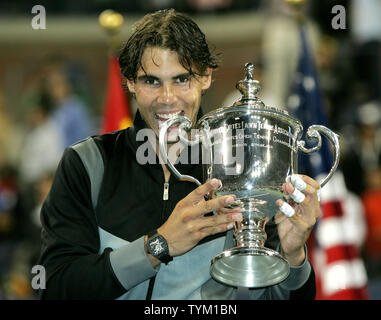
x=53, y=92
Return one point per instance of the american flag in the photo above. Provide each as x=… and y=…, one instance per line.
x=333, y=244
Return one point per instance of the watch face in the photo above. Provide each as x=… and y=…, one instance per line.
x=156, y=247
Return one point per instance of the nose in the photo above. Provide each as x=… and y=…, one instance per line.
x=167, y=94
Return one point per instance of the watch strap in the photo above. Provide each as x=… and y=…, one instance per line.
x=151, y=233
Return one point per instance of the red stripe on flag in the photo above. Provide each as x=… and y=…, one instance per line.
x=341, y=252
x=332, y=209
x=349, y=294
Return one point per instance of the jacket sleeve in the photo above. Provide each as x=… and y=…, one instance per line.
x=70, y=242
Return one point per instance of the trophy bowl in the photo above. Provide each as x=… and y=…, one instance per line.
x=252, y=148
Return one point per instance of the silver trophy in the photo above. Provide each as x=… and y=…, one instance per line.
x=252, y=148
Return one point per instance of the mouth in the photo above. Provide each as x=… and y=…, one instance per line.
x=166, y=115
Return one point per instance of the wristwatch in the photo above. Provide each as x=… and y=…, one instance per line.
x=158, y=247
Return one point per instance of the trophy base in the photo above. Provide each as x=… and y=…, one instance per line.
x=249, y=267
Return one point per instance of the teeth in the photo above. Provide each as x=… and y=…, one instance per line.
x=168, y=115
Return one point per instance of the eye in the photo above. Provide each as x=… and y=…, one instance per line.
x=182, y=79
x=151, y=81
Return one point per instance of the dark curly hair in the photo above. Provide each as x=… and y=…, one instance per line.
x=171, y=30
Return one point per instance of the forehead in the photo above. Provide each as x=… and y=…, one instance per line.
x=160, y=62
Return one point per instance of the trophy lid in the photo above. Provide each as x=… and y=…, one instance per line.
x=249, y=102
x=249, y=88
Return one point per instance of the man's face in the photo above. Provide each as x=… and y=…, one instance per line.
x=165, y=89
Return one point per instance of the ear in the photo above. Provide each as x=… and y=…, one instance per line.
x=130, y=85
x=207, y=79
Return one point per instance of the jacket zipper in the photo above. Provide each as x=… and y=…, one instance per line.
x=165, y=198
x=166, y=191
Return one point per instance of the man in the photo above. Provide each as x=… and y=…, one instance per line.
x=107, y=253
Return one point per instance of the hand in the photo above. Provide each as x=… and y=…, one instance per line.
x=294, y=231
x=187, y=225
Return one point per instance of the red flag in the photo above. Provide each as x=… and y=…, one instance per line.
x=117, y=113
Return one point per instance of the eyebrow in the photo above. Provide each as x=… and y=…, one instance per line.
x=152, y=77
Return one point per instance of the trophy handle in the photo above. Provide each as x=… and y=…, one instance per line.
x=185, y=124
x=313, y=132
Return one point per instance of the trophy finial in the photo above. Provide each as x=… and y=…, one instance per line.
x=249, y=87
x=249, y=67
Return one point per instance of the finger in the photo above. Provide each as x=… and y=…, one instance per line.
x=303, y=183
x=216, y=204
x=311, y=207
x=285, y=208
x=297, y=220
x=206, y=226
x=289, y=212
x=311, y=182
x=207, y=231
x=216, y=229
x=214, y=221
x=297, y=196
x=298, y=180
x=228, y=210
x=289, y=189
x=293, y=194
x=198, y=194
x=279, y=217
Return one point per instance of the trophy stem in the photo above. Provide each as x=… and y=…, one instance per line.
x=250, y=232
x=250, y=264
